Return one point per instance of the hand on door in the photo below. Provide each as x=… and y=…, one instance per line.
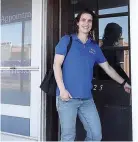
x=127, y=87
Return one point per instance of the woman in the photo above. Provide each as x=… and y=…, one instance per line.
x=74, y=95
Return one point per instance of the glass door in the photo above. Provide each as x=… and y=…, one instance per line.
x=20, y=67
x=113, y=103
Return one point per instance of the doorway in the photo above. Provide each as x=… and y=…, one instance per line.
x=113, y=104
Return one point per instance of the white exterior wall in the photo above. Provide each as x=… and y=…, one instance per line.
x=134, y=65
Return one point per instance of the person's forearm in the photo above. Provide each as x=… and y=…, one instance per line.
x=114, y=75
x=58, y=76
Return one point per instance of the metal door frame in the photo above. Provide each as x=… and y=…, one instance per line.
x=33, y=112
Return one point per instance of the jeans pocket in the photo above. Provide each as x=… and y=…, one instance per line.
x=62, y=101
x=61, y=104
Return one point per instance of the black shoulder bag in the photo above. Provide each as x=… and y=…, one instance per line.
x=48, y=85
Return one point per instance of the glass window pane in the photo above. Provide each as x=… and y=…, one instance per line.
x=16, y=87
x=16, y=25
x=27, y=43
x=16, y=18
x=16, y=125
x=119, y=60
x=11, y=43
x=113, y=31
x=113, y=36
x=112, y=6
x=113, y=10
x=79, y=5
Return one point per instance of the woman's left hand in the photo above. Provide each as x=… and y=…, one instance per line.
x=127, y=87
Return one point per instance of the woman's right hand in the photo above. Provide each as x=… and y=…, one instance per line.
x=65, y=95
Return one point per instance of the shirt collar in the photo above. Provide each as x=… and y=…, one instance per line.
x=75, y=37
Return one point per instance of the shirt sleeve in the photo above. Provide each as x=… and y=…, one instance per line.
x=61, y=47
x=100, y=58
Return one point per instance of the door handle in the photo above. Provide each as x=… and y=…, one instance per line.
x=20, y=68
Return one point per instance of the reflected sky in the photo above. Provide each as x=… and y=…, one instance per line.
x=28, y=32
x=114, y=10
x=13, y=33
x=122, y=21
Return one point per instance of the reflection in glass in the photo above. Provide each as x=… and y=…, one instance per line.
x=15, y=87
x=27, y=43
x=16, y=51
x=116, y=58
x=112, y=6
x=79, y=5
x=113, y=10
x=112, y=35
x=122, y=22
x=11, y=38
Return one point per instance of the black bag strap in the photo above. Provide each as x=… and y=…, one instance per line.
x=68, y=48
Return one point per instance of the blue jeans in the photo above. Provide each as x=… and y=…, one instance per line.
x=87, y=112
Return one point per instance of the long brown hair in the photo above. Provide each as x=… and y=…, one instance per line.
x=77, y=19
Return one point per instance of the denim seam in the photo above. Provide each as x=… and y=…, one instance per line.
x=60, y=119
x=87, y=123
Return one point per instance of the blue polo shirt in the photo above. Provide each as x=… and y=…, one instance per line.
x=78, y=66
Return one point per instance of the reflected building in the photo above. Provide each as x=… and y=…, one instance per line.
x=124, y=57
x=10, y=52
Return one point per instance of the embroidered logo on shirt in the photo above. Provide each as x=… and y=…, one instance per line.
x=92, y=51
